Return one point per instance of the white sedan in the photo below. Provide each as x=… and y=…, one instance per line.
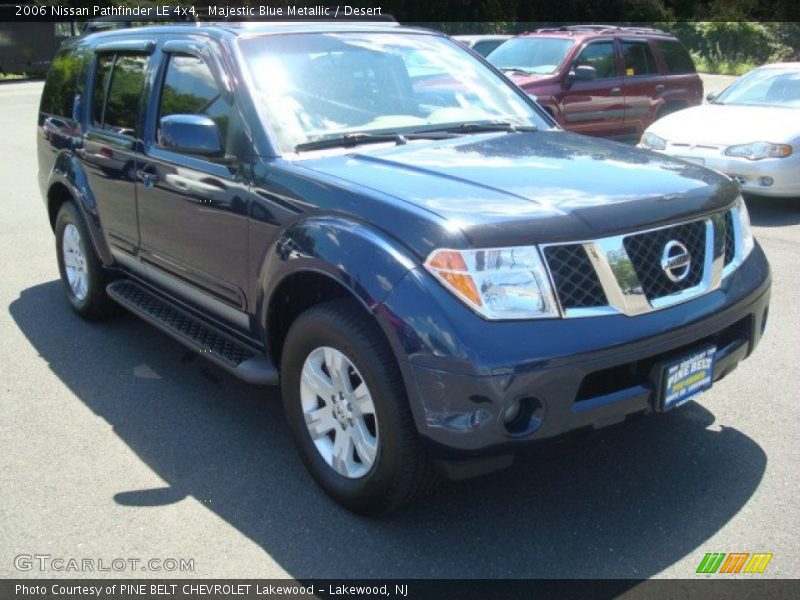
x=750, y=132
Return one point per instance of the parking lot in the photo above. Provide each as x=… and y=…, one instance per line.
x=118, y=443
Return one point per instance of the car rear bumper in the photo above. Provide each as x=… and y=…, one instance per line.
x=573, y=373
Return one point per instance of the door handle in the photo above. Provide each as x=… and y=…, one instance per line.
x=197, y=186
x=616, y=91
x=660, y=87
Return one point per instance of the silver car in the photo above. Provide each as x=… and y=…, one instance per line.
x=751, y=131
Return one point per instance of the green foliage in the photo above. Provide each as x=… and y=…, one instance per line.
x=735, y=47
x=721, y=67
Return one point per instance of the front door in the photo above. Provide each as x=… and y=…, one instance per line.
x=595, y=107
x=192, y=209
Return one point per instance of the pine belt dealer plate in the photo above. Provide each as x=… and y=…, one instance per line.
x=685, y=378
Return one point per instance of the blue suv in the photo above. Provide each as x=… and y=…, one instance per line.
x=376, y=219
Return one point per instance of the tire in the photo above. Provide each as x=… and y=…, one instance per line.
x=81, y=272
x=400, y=471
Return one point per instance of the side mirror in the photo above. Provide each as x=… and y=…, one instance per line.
x=711, y=96
x=583, y=73
x=191, y=134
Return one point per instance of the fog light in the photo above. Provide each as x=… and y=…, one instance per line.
x=512, y=412
x=764, y=320
x=766, y=181
x=523, y=416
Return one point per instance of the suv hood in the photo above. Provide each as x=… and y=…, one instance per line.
x=518, y=188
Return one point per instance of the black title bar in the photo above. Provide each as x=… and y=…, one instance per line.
x=428, y=11
x=707, y=588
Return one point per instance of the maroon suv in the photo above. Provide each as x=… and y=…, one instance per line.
x=600, y=79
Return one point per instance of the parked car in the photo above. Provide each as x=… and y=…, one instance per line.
x=57, y=131
x=751, y=131
x=602, y=80
x=482, y=44
x=436, y=280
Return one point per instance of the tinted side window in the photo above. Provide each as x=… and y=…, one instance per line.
x=638, y=59
x=190, y=89
x=119, y=82
x=65, y=81
x=125, y=93
x=676, y=56
x=101, y=77
x=599, y=55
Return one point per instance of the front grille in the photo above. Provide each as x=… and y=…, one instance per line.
x=730, y=244
x=645, y=251
x=574, y=276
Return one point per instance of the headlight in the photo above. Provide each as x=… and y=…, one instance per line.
x=497, y=283
x=759, y=150
x=746, y=230
x=652, y=141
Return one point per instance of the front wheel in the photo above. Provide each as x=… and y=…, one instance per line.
x=347, y=409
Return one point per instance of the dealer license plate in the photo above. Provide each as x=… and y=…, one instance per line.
x=687, y=377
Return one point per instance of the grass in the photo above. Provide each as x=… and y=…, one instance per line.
x=722, y=67
x=12, y=76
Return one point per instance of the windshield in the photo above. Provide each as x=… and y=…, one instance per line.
x=534, y=55
x=313, y=87
x=766, y=87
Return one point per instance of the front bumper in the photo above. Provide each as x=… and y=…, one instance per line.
x=778, y=177
x=462, y=372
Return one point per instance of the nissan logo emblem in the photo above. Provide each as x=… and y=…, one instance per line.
x=676, y=261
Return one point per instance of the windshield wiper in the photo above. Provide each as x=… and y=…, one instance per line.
x=483, y=127
x=349, y=140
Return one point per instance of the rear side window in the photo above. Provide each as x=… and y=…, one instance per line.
x=118, y=85
x=65, y=81
x=638, y=59
x=676, y=57
x=191, y=89
x=599, y=55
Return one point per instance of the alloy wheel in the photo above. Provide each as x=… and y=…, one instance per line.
x=339, y=412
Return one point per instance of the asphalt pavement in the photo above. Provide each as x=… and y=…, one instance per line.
x=115, y=442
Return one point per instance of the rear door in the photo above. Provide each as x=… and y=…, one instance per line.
x=595, y=107
x=111, y=140
x=643, y=84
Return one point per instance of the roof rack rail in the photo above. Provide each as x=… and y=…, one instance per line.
x=125, y=19
x=202, y=14
x=604, y=29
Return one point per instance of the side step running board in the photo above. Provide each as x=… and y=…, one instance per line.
x=243, y=361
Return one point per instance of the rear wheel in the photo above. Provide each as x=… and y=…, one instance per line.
x=346, y=406
x=82, y=273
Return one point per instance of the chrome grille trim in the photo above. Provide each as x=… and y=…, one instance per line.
x=621, y=284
